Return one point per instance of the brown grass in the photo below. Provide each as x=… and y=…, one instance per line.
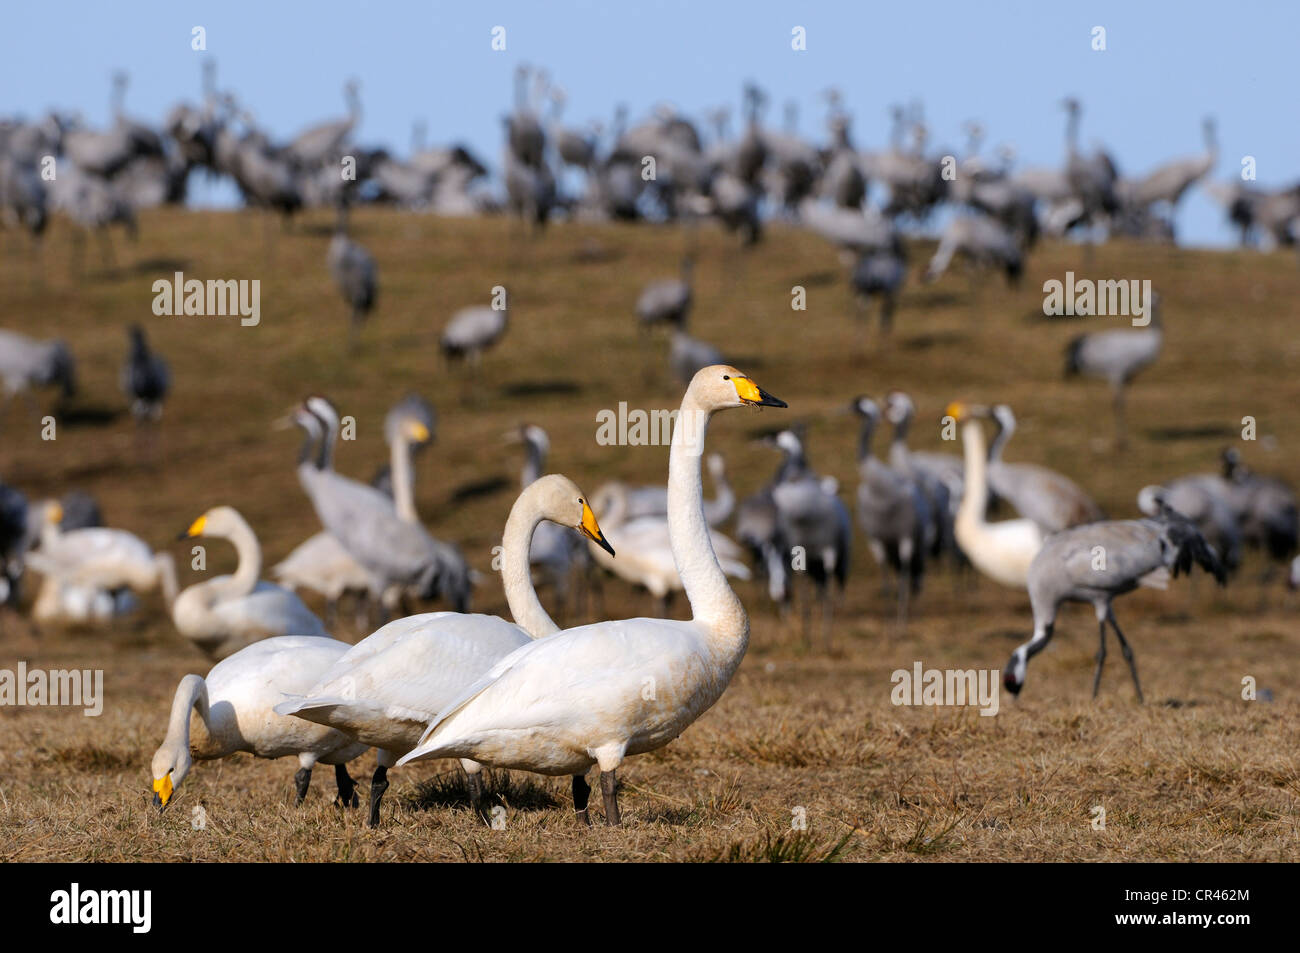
x=1195, y=774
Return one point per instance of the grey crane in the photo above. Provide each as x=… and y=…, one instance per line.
x=23, y=197
x=93, y=203
x=1207, y=499
x=1096, y=563
x=26, y=363
x=815, y=524
x=687, y=355
x=1050, y=499
x=1169, y=182
x=1268, y=216
x=981, y=240
x=1266, y=508
x=326, y=141
x=939, y=475
x=758, y=527
x=857, y=231
x=397, y=553
x=667, y=300
x=892, y=513
x=879, y=274
x=355, y=274
x=616, y=503
x=145, y=377
x=842, y=179
x=1117, y=356
x=1092, y=178
x=471, y=331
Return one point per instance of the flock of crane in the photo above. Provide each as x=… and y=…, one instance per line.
x=529, y=694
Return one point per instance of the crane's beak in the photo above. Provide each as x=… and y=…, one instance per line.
x=591, y=529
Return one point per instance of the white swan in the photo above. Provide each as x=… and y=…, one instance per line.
x=388, y=687
x=598, y=693
x=99, y=558
x=223, y=615
x=230, y=711
x=1001, y=550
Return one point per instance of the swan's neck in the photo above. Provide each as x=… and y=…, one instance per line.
x=247, y=571
x=516, y=573
x=974, y=499
x=712, y=602
x=191, y=698
x=403, y=480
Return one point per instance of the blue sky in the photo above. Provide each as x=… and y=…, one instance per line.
x=1007, y=64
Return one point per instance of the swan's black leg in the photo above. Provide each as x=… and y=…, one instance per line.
x=609, y=788
x=581, y=792
x=347, y=787
x=378, y=785
x=475, y=784
x=300, y=781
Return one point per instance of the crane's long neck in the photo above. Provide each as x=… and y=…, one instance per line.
x=712, y=602
x=403, y=479
x=516, y=572
x=1072, y=133
x=974, y=499
x=866, y=432
x=999, y=443
x=534, y=463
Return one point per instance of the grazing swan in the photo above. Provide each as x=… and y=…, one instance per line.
x=1002, y=550
x=99, y=558
x=230, y=711
x=223, y=615
x=598, y=693
x=389, y=686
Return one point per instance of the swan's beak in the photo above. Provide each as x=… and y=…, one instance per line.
x=591, y=529
x=196, y=528
x=54, y=513
x=419, y=432
x=162, y=791
x=755, y=396
x=959, y=411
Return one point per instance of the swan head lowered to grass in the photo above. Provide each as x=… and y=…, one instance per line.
x=597, y=693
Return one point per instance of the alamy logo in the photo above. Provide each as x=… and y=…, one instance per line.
x=943, y=687
x=647, y=428
x=213, y=298
x=55, y=688
x=134, y=907
x=1110, y=297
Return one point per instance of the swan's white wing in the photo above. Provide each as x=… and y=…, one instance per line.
x=386, y=688
x=269, y=609
x=561, y=697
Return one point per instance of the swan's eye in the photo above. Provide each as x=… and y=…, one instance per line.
x=726, y=377
x=580, y=501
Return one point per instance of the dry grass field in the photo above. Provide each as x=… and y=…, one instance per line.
x=1194, y=774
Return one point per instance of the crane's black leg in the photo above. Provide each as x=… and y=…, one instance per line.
x=1128, y=654
x=347, y=787
x=609, y=789
x=581, y=792
x=378, y=785
x=300, y=781
x=1101, y=656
